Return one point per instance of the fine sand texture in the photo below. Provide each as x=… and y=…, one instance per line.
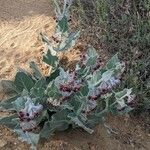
x=21, y=21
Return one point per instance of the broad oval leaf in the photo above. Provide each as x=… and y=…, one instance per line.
x=50, y=60
x=8, y=121
x=23, y=81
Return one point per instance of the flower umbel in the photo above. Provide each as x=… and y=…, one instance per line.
x=28, y=114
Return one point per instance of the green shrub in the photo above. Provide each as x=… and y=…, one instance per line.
x=81, y=97
x=125, y=29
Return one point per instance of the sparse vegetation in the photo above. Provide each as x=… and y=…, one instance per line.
x=124, y=27
x=78, y=97
x=81, y=96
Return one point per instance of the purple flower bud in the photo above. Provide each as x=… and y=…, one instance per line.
x=28, y=119
x=21, y=114
x=103, y=86
x=30, y=110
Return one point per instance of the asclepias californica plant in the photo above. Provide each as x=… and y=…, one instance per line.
x=80, y=97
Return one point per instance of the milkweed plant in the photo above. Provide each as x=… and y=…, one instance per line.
x=79, y=97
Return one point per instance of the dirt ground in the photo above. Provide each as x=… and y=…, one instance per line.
x=21, y=21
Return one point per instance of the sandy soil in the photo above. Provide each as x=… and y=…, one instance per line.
x=21, y=21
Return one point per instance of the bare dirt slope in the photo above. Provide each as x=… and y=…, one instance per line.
x=21, y=21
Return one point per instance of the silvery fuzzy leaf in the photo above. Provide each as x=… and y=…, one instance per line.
x=113, y=82
x=107, y=76
x=52, y=49
x=61, y=115
x=52, y=91
x=23, y=81
x=62, y=15
x=7, y=105
x=110, y=84
x=105, y=96
x=30, y=138
x=8, y=121
x=26, y=105
x=38, y=90
x=57, y=7
x=122, y=94
x=112, y=62
x=63, y=77
x=95, y=79
x=121, y=104
x=62, y=25
x=36, y=71
x=120, y=67
x=91, y=52
x=67, y=4
x=77, y=103
x=120, y=98
x=78, y=68
x=19, y=103
x=91, y=61
x=63, y=74
x=47, y=130
x=115, y=65
x=79, y=122
x=58, y=122
x=51, y=60
x=42, y=117
x=84, y=72
x=91, y=56
x=84, y=90
x=52, y=76
x=67, y=105
x=68, y=42
x=89, y=106
x=46, y=40
x=28, y=125
x=83, y=117
x=51, y=126
x=7, y=86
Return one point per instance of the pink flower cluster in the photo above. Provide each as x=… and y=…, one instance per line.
x=28, y=114
x=70, y=86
